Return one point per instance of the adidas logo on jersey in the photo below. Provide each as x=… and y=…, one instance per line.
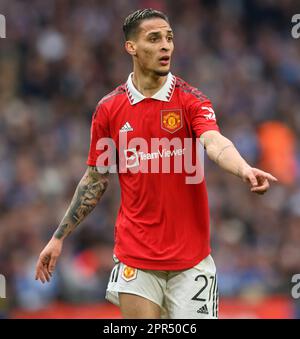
x=203, y=309
x=126, y=128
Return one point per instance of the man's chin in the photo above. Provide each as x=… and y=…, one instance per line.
x=162, y=73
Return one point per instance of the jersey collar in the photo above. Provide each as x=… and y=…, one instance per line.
x=164, y=94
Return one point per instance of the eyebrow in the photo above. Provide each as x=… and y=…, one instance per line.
x=159, y=32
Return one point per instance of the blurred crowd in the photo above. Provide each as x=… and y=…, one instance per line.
x=61, y=57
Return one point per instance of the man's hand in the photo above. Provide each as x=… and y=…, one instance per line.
x=47, y=260
x=223, y=152
x=258, y=179
x=88, y=192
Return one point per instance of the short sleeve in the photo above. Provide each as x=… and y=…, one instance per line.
x=99, y=131
x=203, y=117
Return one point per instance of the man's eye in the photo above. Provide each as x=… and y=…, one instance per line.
x=170, y=38
x=153, y=39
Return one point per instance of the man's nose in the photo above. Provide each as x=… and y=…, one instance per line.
x=165, y=45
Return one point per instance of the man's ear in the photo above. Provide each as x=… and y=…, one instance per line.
x=130, y=47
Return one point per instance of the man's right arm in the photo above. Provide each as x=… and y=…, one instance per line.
x=88, y=192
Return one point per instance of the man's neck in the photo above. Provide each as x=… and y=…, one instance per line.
x=146, y=83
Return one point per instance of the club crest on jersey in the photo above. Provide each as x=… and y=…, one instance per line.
x=129, y=273
x=171, y=120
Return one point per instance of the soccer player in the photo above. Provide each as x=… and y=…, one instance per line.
x=163, y=266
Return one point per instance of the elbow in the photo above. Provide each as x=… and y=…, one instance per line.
x=216, y=151
x=211, y=151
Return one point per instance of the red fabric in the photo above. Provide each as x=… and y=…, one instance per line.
x=163, y=223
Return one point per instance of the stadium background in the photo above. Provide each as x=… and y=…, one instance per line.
x=59, y=59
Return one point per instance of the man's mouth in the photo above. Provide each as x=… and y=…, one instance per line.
x=164, y=60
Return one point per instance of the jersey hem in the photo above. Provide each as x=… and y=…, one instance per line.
x=161, y=266
x=209, y=128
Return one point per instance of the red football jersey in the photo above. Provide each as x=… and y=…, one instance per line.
x=163, y=221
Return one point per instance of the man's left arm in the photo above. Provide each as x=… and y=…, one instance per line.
x=222, y=151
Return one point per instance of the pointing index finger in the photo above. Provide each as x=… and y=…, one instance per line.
x=270, y=177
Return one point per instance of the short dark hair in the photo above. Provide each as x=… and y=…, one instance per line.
x=132, y=22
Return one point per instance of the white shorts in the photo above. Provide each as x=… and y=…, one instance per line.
x=185, y=294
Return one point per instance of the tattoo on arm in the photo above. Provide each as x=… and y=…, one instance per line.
x=88, y=193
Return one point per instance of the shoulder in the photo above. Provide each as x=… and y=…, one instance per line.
x=109, y=99
x=189, y=92
x=114, y=95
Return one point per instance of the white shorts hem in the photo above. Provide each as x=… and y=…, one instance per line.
x=113, y=297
